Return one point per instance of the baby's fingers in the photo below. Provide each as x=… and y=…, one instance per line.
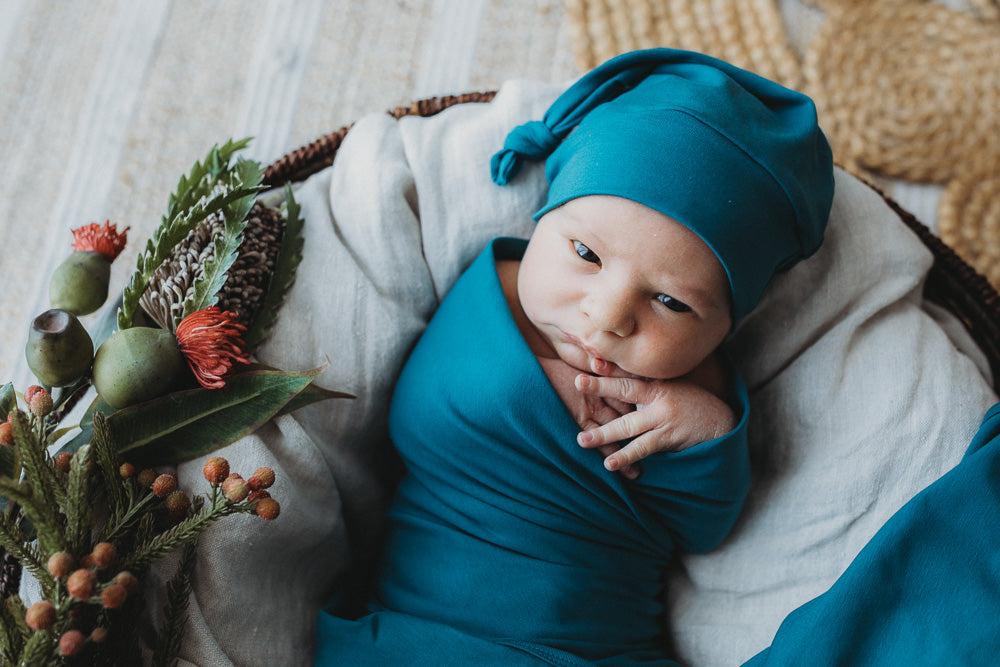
x=627, y=426
x=628, y=390
x=630, y=472
x=630, y=454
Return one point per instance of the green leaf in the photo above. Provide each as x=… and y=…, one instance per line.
x=187, y=424
x=8, y=400
x=215, y=270
x=187, y=207
x=282, y=276
x=6, y=464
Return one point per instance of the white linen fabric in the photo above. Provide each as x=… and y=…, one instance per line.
x=861, y=394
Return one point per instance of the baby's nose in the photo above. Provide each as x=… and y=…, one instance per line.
x=610, y=310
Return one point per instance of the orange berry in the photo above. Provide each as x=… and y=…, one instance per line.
x=72, y=642
x=99, y=635
x=128, y=581
x=41, y=404
x=216, y=470
x=113, y=596
x=126, y=470
x=177, y=504
x=267, y=508
x=59, y=564
x=6, y=434
x=41, y=615
x=146, y=478
x=81, y=584
x=103, y=553
x=63, y=460
x=257, y=494
x=265, y=477
x=235, y=488
x=164, y=485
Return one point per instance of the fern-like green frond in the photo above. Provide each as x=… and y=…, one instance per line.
x=198, y=196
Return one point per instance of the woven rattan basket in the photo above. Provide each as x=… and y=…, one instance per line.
x=952, y=282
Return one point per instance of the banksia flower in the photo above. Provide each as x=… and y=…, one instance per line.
x=247, y=279
x=81, y=584
x=164, y=485
x=71, y=642
x=267, y=508
x=60, y=564
x=211, y=343
x=216, y=470
x=41, y=615
x=80, y=284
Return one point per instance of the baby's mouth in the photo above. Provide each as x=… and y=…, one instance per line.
x=598, y=364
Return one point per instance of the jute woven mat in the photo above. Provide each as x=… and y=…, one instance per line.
x=747, y=33
x=906, y=89
x=911, y=90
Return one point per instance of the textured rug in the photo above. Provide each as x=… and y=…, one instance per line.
x=104, y=104
x=908, y=91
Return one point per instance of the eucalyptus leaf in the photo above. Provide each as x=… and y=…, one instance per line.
x=282, y=276
x=184, y=425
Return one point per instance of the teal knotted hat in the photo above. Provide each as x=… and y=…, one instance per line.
x=736, y=158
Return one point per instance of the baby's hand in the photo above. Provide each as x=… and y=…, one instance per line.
x=670, y=415
x=588, y=410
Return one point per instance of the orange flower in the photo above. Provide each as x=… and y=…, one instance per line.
x=211, y=343
x=106, y=240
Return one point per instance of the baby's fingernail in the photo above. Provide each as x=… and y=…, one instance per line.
x=585, y=438
x=631, y=472
x=582, y=381
x=611, y=463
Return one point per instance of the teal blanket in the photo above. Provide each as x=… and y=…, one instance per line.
x=508, y=542
x=510, y=545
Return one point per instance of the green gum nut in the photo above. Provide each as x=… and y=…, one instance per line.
x=80, y=283
x=137, y=364
x=59, y=349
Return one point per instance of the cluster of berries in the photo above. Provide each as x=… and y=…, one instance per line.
x=82, y=585
x=237, y=489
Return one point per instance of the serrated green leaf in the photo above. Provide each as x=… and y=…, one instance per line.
x=187, y=424
x=282, y=276
x=188, y=207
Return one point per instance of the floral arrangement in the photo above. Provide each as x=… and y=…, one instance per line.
x=83, y=508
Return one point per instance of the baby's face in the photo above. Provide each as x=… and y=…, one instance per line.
x=605, y=278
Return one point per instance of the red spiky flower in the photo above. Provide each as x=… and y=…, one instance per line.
x=211, y=342
x=106, y=240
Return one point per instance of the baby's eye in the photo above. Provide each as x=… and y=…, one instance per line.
x=672, y=303
x=586, y=253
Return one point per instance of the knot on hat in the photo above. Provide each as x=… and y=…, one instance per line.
x=534, y=140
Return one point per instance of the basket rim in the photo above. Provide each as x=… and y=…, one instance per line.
x=951, y=283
